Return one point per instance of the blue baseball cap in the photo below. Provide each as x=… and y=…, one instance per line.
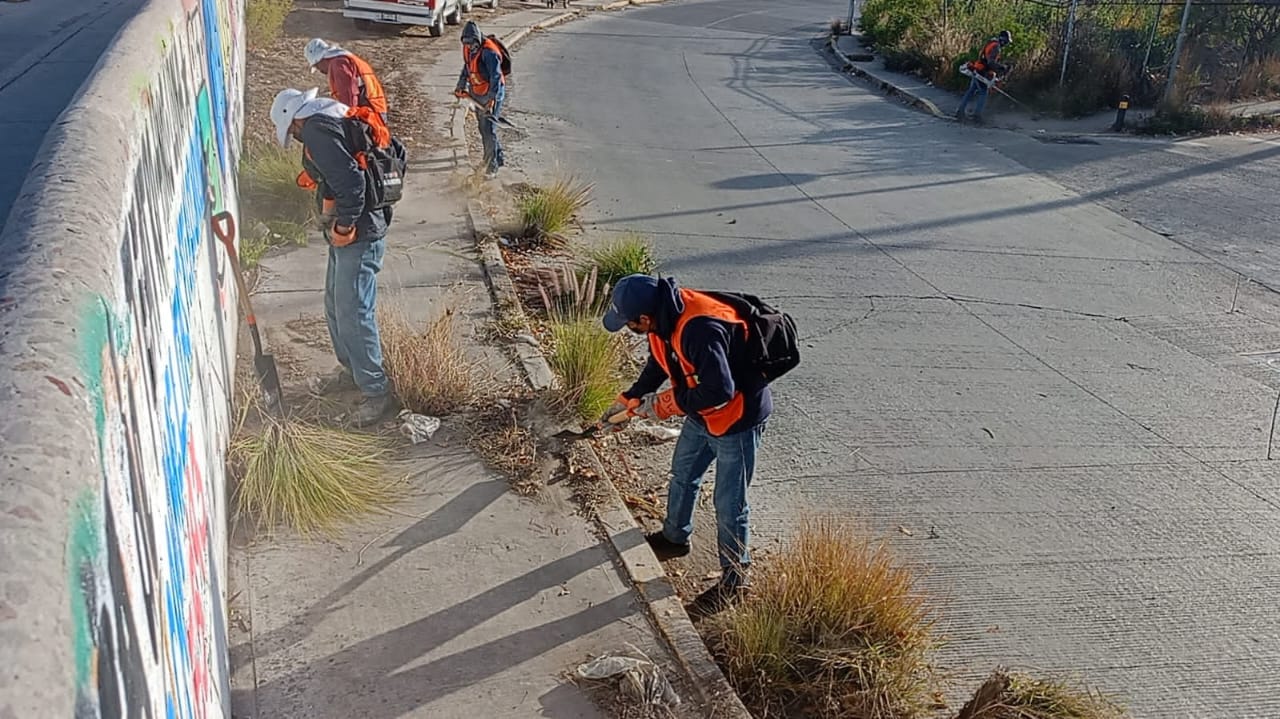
x=634, y=295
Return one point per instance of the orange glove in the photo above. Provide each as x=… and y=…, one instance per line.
x=340, y=238
x=459, y=93
x=305, y=181
x=661, y=405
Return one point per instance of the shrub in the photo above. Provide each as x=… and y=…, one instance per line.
x=833, y=627
x=1018, y=696
x=268, y=184
x=586, y=357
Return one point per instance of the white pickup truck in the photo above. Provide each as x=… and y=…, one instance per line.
x=434, y=14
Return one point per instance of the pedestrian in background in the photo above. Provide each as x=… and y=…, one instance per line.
x=988, y=66
x=483, y=80
x=352, y=81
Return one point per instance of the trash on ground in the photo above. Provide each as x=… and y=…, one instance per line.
x=418, y=427
x=658, y=432
x=639, y=680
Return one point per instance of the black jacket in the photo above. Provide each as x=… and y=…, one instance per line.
x=331, y=164
x=716, y=349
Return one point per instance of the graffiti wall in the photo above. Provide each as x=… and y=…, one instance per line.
x=147, y=545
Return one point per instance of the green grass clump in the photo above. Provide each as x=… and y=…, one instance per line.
x=833, y=627
x=1019, y=696
x=586, y=357
x=630, y=254
x=547, y=212
x=268, y=184
x=308, y=477
x=264, y=20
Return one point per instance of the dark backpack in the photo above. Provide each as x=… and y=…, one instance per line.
x=384, y=166
x=505, y=55
x=773, y=346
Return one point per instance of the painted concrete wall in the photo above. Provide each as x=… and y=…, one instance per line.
x=117, y=347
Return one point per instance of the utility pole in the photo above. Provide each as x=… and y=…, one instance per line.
x=1177, y=52
x=1066, y=43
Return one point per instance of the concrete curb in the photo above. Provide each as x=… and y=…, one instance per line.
x=910, y=97
x=625, y=535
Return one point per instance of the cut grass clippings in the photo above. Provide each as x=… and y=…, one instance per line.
x=1019, y=696
x=833, y=627
x=547, y=212
x=308, y=477
x=497, y=435
x=428, y=365
x=630, y=254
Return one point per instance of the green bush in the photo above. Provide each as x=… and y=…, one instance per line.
x=629, y=254
x=264, y=20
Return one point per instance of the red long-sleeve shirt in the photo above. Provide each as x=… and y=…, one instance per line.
x=344, y=81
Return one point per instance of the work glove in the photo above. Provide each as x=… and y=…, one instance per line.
x=619, y=404
x=658, y=405
x=339, y=237
x=328, y=212
x=459, y=92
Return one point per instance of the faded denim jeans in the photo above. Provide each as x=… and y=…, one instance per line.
x=350, y=304
x=493, y=158
x=977, y=89
x=735, y=458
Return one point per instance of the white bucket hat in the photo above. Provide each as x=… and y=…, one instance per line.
x=318, y=49
x=284, y=109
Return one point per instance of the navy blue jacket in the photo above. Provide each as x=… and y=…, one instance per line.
x=339, y=178
x=716, y=349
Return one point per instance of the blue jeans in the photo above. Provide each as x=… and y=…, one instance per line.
x=977, y=89
x=350, y=299
x=735, y=458
x=489, y=134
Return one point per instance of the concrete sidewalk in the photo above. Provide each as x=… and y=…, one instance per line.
x=467, y=601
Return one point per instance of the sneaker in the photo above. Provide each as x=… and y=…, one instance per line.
x=665, y=548
x=371, y=410
x=490, y=173
x=338, y=380
x=718, y=598
x=959, y=115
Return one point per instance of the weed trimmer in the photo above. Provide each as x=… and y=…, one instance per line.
x=993, y=84
x=264, y=365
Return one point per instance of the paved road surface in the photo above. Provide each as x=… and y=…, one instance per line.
x=1060, y=393
x=47, y=49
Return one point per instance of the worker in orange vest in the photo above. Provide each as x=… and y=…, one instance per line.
x=987, y=65
x=699, y=343
x=351, y=80
x=483, y=80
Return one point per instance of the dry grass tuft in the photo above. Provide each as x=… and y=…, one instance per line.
x=585, y=356
x=547, y=212
x=428, y=366
x=268, y=183
x=833, y=627
x=1018, y=696
x=308, y=477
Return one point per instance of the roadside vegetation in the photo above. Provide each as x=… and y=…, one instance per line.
x=428, y=365
x=264, y=20
x=586, y=358
x=629, y=254
x=1230, y=52
x=1019, y=696
x=276, y=211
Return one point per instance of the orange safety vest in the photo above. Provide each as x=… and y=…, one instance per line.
x=377, y=131
x=373, y=93
x=980, y=65
x=478, y=82
x=696, y=304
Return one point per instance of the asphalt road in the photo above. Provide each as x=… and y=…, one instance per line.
x=47, y=49
x=1059, y=404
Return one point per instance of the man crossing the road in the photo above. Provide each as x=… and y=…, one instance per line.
x=698, y=343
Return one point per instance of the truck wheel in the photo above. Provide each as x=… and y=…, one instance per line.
x=456, y=16
x=437, y=29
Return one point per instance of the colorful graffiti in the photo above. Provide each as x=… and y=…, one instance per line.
x=147, y=551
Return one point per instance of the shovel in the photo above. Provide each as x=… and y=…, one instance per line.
x=614, y=421
x=224, y=227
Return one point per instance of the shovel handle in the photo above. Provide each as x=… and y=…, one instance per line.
x=224, y=228
x=619, y=418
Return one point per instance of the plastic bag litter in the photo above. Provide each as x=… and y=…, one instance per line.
x=639, y=680
x=418, y=427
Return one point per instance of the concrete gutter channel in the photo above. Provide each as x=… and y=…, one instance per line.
x=645, y=572
x=911, y=98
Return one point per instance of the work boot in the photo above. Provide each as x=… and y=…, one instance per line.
x=977, y=120
x=372, y=410
x=491, y=173
x=959, y=116
x=665, y=548
x=722, y=595
x=335, y=381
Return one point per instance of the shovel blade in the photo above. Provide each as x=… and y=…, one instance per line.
x=269, y=379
